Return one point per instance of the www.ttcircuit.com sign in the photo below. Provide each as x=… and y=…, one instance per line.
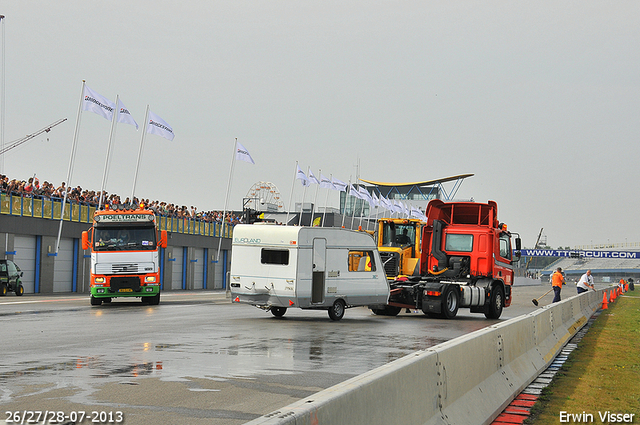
x=579, y=254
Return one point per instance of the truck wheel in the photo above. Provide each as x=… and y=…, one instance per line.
x=155, y=300
x=387, y=311
x=336, y=311
x=19, y=289
x=95, y=301
x=450, y=302
x=3, y=289
x=278, y=311
x=496, y=303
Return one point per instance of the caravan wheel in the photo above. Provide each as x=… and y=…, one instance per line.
x=336, y=311
x=278, y=311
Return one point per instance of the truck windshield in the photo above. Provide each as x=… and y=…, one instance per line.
x=119, y=238
x=398, y=234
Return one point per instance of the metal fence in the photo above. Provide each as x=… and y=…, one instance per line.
x=82, y=213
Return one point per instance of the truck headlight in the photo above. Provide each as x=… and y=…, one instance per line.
x=150, y=279
x=99, y=280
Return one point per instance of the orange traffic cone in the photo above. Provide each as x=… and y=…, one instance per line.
x=626, y=287
x=611, y=298
x=604, y=301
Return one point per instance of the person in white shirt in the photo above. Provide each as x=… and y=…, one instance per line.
x=585, y=283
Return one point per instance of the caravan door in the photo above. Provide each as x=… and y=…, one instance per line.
x=319, y=267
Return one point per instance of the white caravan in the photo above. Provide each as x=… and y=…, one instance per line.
x=277, y=267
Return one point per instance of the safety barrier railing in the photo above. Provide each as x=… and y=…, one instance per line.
x=51, y=209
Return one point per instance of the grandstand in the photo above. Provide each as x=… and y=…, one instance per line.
x=603, y=269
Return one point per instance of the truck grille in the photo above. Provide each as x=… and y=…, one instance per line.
x=124, y=268
x=390, y=261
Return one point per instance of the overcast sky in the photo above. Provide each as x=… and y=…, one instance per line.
x=539, y=100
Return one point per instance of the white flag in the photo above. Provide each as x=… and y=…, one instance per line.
x=386, y=204
x=242, y=154
x=364, y=193
x=375, y=200
x=339, y=185
x=405, y=209
x=303, y=178
x=92, y=101
x=415, y=212
x=312, y=178
x=326, y=183
x=159, y=127
x=354, y=192
x=124, y=116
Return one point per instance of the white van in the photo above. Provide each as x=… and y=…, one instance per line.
x=277, y=267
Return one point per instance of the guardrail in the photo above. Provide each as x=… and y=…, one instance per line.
x=51, y=209
x=468, y=380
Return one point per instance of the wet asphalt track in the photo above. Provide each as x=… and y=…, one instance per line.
x=196, y=358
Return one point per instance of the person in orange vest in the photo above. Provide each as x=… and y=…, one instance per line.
x=557, y=280
x=621, y=284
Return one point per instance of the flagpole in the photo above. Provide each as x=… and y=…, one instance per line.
x=291, y=195
x=144, y=132
x=315, y=198
x=226, y=200
x=304, y=193
x=71, y=161
x=355, y=204
x=345, y=204
x=112, y=135
x=326, y=200
x=362, y=211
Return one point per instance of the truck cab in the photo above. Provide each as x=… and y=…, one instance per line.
x=466, y=260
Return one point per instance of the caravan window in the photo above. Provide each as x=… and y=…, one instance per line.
x=361, y=261
x=275, y=256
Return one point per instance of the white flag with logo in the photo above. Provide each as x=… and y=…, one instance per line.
x=405, y=209
x=92, y=101
x=243, y=154
x=326, y=183
x=415, y=212
x=364, y=194
x=375, y=199
x=302, y=177
x=397, y=208
x=386, y=204
x=354, y=192
x=124, y=116
x=159, y=127
x=312, y=178
x=339, y=185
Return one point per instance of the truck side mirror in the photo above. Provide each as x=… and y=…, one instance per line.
x=85, y=240
x=517, y=253
x=163, y=239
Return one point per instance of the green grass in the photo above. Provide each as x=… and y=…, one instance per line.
x=603, y=373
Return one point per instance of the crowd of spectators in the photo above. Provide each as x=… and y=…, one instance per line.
x=32, y=188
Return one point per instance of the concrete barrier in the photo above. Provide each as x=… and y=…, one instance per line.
x=468, y=380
